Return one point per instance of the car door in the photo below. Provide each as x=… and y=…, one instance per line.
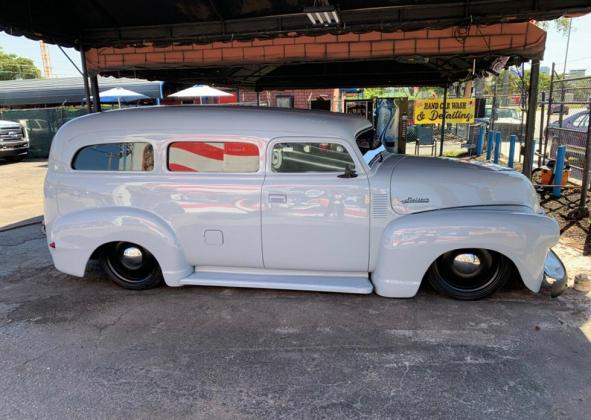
x=314, y=216
x=212, y=200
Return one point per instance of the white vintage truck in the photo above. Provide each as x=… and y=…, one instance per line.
x=269, y=198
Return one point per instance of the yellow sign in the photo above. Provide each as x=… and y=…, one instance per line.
x=430, y=111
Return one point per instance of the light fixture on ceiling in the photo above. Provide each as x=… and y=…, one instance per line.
x=323, y=15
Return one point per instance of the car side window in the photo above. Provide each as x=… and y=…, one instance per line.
x=581, y=121
x=196, y=156
x=310, y=157
x=135, y=156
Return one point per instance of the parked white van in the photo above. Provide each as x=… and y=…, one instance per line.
x=269, y=198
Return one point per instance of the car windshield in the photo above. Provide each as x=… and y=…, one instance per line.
x=372, y=154
x=502, y=113
x=507, y=113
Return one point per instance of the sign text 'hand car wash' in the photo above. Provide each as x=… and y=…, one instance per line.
x=430, y=111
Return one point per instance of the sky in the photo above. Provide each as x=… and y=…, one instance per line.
x=579, y=55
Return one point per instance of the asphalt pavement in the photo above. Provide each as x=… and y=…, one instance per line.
x=85, y=348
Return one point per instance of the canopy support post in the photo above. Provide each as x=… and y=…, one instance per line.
x=85, y=78
x=530, y=123
x=96, y=103
x=443, y=121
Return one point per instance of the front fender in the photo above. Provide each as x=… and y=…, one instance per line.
x=78, y=234
x=411, y=243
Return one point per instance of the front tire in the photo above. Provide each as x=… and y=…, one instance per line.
x=131, y=266
x=469, y=274
x=15, y=159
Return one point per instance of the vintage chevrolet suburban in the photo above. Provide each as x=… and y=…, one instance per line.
x=269, y=198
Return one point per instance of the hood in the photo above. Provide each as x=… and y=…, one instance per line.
x=422, y=184
x=9, y=124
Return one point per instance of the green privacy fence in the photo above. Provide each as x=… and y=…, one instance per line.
x=41, y=125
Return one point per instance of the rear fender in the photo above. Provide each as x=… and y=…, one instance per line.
x=78, y=234
x=411, y=243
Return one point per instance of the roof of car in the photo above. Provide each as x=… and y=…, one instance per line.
x=254, y=121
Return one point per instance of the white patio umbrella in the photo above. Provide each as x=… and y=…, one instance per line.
x=200, y=91
x=120, y=95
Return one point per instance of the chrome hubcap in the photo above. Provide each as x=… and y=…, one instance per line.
x=132, y=258
x=466, y=264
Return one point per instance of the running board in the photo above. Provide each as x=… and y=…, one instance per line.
x=306, y=282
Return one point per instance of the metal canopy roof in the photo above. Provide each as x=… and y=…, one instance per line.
x=66, y=90
x=100, y=23
x=135, y=24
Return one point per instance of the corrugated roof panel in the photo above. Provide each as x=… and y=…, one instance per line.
x=67, y=90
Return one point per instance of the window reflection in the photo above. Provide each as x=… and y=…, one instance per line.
x=310, y=157
x=195, y=156
x=136, y=156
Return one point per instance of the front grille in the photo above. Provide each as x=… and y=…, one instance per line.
x=11, y=134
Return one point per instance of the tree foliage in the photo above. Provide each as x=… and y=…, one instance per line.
x=561, y=25
x=510, y=83
x=13, y=67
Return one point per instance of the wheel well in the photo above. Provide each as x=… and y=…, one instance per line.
x=97, y=252
x=515, y=280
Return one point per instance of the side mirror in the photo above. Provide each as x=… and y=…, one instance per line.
x=349, y=172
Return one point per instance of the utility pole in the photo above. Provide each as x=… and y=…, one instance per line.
x=570, y=22
x=47, y=71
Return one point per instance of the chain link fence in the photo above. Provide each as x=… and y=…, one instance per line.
x=567, y=110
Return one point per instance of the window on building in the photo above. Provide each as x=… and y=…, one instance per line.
x=310, y=157
x=136, y=156
x=194, y=156
x=284, y=101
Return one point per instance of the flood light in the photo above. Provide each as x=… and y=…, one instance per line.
x=322, y=15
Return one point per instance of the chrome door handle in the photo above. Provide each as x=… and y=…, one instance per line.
x=277, y=198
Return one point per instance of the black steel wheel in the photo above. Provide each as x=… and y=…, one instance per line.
x=469, y=274
x=131, y=266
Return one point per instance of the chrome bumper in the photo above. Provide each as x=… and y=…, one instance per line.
x=555, y=276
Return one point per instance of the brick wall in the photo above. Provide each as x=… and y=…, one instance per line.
x=302, y=97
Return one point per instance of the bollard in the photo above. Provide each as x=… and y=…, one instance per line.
x=512, y=141
x=489, y=144
x=480, y=141
x=497, y=146
x=558, y=171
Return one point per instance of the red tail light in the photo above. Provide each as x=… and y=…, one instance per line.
x=52, y=245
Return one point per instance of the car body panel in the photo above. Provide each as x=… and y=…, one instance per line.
x=578, y=121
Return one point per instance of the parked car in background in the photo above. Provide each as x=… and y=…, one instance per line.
x=578, y=122
x=555, y=109
x=507, y=116
x=284, y=199
x=37, y=126
x=14, y=145
x=508, y=121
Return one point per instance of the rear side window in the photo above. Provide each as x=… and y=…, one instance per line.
x=193, y=156
x=136, y=156
x=310, y=157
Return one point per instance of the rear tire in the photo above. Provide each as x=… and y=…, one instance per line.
x=131, y=266
x=469, y=274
